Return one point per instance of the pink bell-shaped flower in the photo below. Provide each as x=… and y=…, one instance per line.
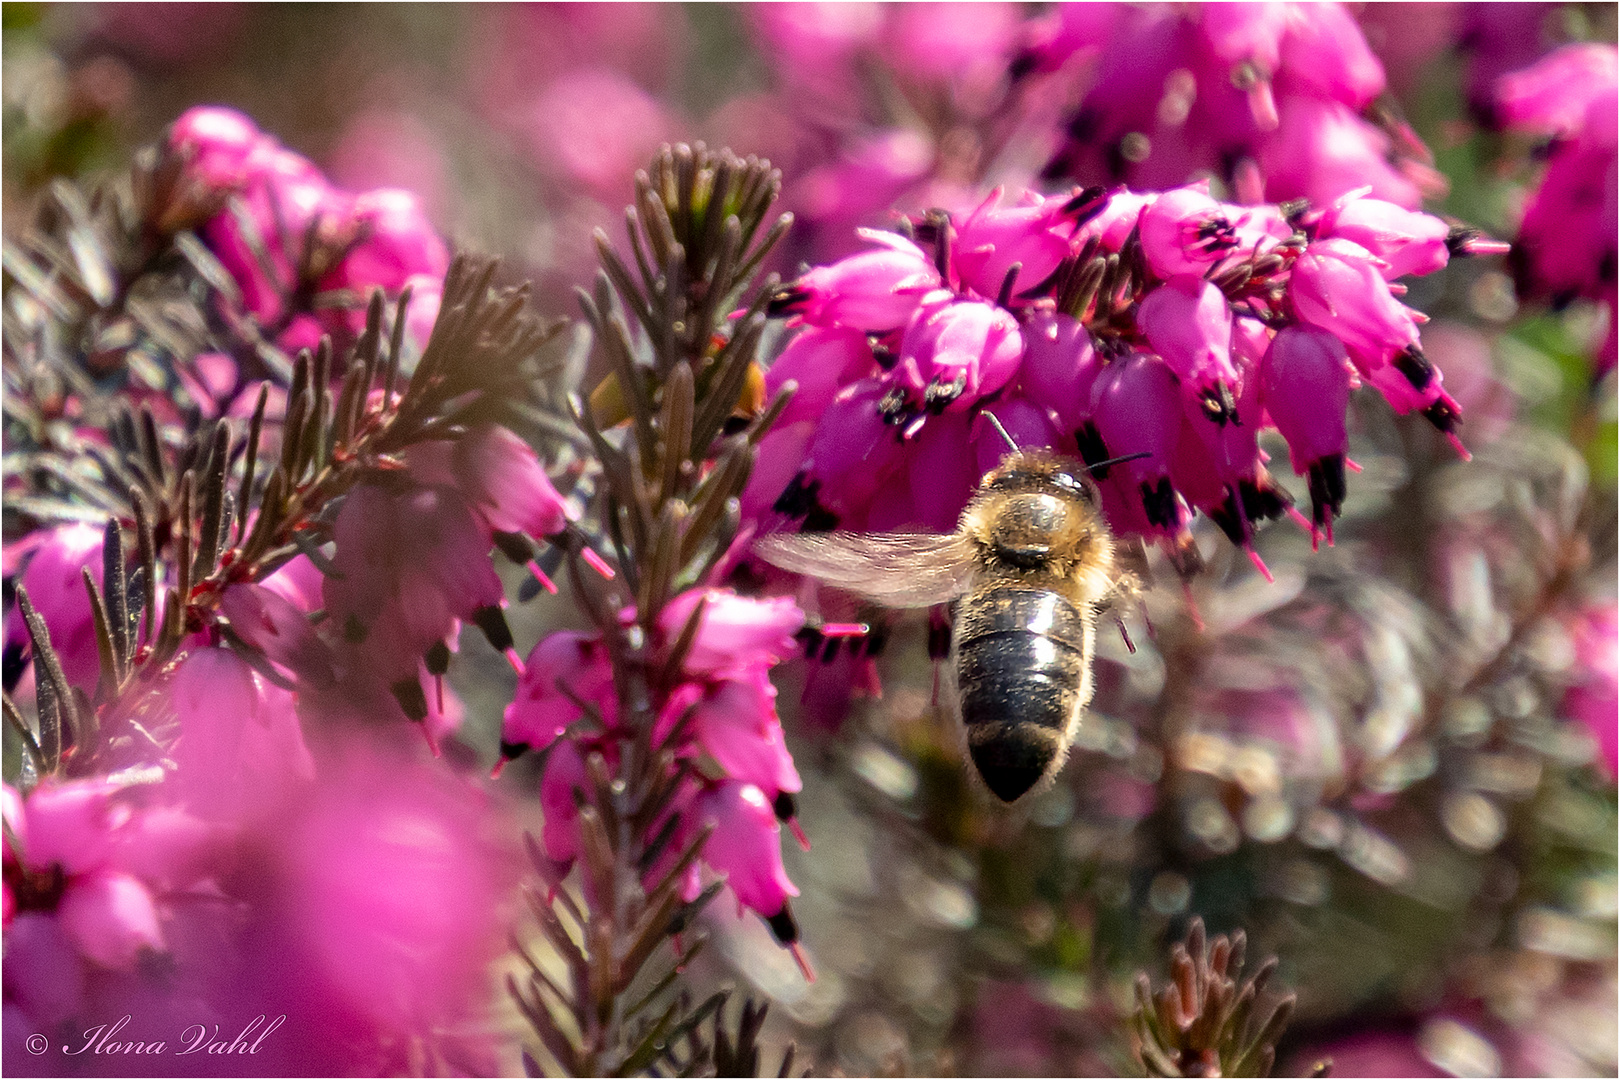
x=1032, y=234
x=1136, y=408
x=745, y=847
x=1339, y=286
x=565, y=668
x=1305, y=387
x=1189, y=323
x=874, y=291
x=1324, y=54
x=55, y=587
x=1185, y=231
x=1060, y=365
x=822, y=360
x=736, y=632
x=955, y=353
x=1408, y=242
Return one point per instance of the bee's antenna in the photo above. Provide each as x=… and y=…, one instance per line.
x=996, y=423
x=1114, y=460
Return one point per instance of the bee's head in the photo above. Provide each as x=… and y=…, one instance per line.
x=1032, y=508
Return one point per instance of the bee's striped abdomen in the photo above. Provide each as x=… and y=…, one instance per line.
x=1022, y=664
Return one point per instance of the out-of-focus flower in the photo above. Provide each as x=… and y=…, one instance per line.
x=69, y=865
x=55, y=584
x=395, y=242
x=564, y=669
x=597, y=127
x=499, y=475
x=1593, y=698
x=745, y=848
x=1566, y=243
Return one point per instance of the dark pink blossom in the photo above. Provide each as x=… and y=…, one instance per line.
x=821, y=360
x=1305, y=387
x=1185, y=231
x=499, y=475
x=1324, y=54
x=874, y=291
x=1552, y=95
x=1034, y=234
x=952, y=354
x=745, y=847
x=1593, y=699
x=565, y=668
x=1339, y=286
x=1189, y=324
x=1060, y=365
x=55, y=584
x=1408, y=242
x=1322, y=149
x=220, y=145
x=1136, y=408
x=395, y=243
x=736, y=632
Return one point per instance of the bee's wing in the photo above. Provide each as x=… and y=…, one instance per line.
x=904, y=570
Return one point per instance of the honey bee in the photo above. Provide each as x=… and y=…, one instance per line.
x=1032, y=563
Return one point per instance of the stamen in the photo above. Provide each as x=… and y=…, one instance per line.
x=512, y=658
x=597, y=563
x=540, y=575
x=1260, y=565
x=798, y=833
x=844, y=629
x=500, y=766
x=803, y=961
x=1462, y=451
x=1130, y=646
x=1351, y=465
x=1300, y=519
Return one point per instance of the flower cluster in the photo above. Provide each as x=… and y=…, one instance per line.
x=735, y=774
x=1566, y=244
x=1169, y=326
x=1275, y=98
x=304, y=255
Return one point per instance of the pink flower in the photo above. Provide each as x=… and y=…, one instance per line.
x=73, y=829
x=393, y=894
x=1324, y=54
x=221, y=143
x=561, y=784
x=396, y=243
x=596, y=127
x=736, y=632
x=1407, y=241
x=1552, y=95
x=55, y=586
x=1188, y=323
x=735, y=721
x=240, y=745
x=1185, y=232
x=275, y=626
x=953, y=354
x=1060, y=365
x=565, y=667
x=1305, y=387
x=411, y=563
x=853, y=451
x=950, y=41
x=874, y=291
x=812, y=42
x=1028, y=422
x=1033, y=234
x=501, y=477
x=745, y=847
x=1136, y=408
x=1322, y=149
x=1339, y=286
x=822, y=361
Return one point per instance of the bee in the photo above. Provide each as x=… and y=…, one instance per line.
x=1031, y=564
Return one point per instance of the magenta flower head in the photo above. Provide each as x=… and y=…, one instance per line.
x=1247, y=39
x=736, y=633
x=1408, y=241
x=875, y=291
x=735, y=722
x=1305, y=388
x=501, y=477
x=1136, y=408
x=746, y=849
x=853, y=451
x=1189, y=324
x=220, y=144
x=395, y=242
x=55, y=586
x=822, y=360
x=240, y=747
x=393, y=892
x=1339, y=286
x=277, y=627
x=1324, y=54
x=1552, y=95
x=1322, y=149
x=565, y=668
x=69, y=867
x=955, y=353
x=1034, y=234
x=1185, y=231
x=1060, y=365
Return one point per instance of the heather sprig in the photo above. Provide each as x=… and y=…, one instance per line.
x=672, y=667
x=1203, y=1022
